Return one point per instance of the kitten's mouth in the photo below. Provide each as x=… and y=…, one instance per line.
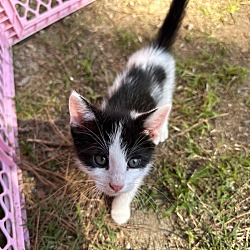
x=113, y=193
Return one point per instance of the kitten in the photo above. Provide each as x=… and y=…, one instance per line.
x=115, y=143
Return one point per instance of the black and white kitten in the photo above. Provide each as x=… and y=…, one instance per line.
x=115, y=143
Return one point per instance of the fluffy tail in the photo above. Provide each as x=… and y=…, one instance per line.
x=168, y=31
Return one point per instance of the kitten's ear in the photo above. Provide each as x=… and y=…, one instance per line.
x=80, y=110
x=155, y=121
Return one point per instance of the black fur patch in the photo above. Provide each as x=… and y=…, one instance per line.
x=93, y=138
x=158, y=74
x=135, y=90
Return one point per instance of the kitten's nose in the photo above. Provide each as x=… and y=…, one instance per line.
x=116, y=188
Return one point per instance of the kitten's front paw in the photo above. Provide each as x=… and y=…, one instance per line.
x=162, y=137
x=120, y=215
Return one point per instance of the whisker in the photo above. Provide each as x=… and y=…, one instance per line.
x=79, y=188
x=102, y=136
x=83, y=196
x=159, y=191
x=149, y=199
x=56, y=192
x=99, y=140
x=138, y=143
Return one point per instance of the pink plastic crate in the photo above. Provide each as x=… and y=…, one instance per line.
x=13, y=233
x=22, y=18
x=18, y=20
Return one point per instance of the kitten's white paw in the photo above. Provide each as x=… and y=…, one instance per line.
x=164, y=134
x=120, y=215
x=162, y=137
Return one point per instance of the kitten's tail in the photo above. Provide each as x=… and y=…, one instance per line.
x=168, y=31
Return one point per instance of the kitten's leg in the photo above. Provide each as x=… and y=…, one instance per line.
x=120, y=211
x=163, y=135
x=164, y=131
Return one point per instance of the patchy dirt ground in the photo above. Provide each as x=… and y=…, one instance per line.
x=84, y=52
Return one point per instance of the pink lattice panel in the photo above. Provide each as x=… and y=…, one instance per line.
x=22, y=18
x=18, y=20
x=13, y=233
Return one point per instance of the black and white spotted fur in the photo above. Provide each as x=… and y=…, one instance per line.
x=115, y=143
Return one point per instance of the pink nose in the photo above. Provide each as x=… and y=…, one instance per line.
x=116, y=188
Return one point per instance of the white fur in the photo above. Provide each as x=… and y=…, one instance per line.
x=78, y=110
x=120, y=211
x=117, y=160
x=143, y=58
x=134, y=114
x=159, y=57
x=118, y=174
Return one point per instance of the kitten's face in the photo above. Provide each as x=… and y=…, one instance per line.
x=114, y=151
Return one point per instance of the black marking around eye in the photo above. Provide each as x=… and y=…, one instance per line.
x=94, y=139
x=136, y=143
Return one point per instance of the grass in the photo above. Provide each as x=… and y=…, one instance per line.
x=126, y=38
x=204, y=181
x=211, y=191
x=221, y=11
x=200, y=180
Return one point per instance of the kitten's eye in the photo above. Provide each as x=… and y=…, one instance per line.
x=134, y=163
x=100, y=160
